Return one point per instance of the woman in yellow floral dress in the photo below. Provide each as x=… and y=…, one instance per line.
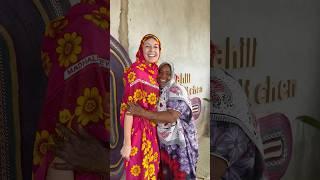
x=140, y=147
x=74, y=54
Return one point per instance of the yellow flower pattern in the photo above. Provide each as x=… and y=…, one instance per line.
x=46, y=62
x=138, y=95
x=144, y=152
x=85, y=106
x=144, y=94
x=43, y=139
x=150, y=172
x=135, y=170
x=130, y=99
x=65, y=116
x=134, y=151
x=150, y=157
x=155, y=156
x=89, y=106
x=148, y=166
x=153, y=123
x=123, y=107
x=99, y=17
x=146, y=146
x=145, y=162
x=56, y=26
x=152, y=81
x=131, y=77
x=152, y=98
x=141, y=68
x=126, y=70
x=69, y=47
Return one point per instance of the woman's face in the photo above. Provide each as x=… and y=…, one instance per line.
x=164, y=75
x=151, y=50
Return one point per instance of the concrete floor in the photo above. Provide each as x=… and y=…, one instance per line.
x=203, y=166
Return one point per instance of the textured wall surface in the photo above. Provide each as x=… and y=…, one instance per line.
x=287, y=34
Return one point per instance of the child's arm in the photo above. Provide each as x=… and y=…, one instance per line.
x=126, y=148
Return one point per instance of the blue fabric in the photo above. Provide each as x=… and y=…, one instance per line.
x=182, y=107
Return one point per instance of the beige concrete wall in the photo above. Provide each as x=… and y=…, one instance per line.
x=285, y=51
x=115, y=18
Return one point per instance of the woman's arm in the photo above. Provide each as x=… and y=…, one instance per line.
x=126, y=148
x=168, y=116
x=128, y=119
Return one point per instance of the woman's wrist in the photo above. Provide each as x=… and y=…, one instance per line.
x=144, y=111
x=126, y=144
x=141, y=112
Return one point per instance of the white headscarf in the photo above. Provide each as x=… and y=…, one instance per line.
x=172, y=75
x=230, y=104
x=172, y=133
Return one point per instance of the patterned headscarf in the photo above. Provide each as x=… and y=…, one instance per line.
x=78, y=80
x=230, y=104
x=131, y=77
x=139, y=55
x=170, y=133
x=148, y=36
x=172, y=70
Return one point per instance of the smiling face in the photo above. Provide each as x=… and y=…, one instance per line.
x=164, y=75
x=151, y=50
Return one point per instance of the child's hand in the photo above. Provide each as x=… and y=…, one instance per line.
x=125, y=152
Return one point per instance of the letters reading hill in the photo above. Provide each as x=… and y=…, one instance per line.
x=236, y=57
x=244, y=56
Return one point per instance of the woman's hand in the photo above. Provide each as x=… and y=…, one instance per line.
x=125, y=151
x=135, y=109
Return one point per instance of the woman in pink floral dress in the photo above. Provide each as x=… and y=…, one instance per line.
x=74, y=54
x=140, y=148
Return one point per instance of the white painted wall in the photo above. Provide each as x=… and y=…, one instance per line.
x=288, y=36
x=115, y=6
